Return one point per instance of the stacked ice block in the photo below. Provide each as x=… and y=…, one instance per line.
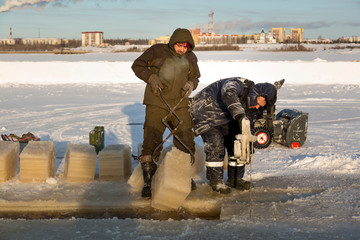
x=9, y=154
x=115, y=162
x=172, y=181
x=37, y=161
x=80, y=163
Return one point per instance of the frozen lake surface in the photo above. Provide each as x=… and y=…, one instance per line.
x=308, y=193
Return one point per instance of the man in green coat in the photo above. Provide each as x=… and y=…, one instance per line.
x=172, y=69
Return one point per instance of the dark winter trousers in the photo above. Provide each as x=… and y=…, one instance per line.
x=216, y=140
x=154, y=130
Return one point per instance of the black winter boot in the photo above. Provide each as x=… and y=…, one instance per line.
x=149, y=169
x=239, y=184
x=219, y=186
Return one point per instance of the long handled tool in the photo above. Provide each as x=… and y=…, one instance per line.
x=173, y=129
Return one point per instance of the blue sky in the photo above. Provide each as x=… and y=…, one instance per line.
x=153, y=18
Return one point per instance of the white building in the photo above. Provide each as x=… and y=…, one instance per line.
x=43, y=41
x=92, y=38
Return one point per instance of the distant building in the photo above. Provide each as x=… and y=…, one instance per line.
x=92, y=38
x=165, y=39
x=279, y=34
x=43, y=41
x=7, y=42
x=296, y=35
x=353, y=39
x=217, y=39
x=162, y=39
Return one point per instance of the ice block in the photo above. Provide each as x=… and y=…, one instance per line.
x=115, y=162
x=172, y=181
x=37, y=161
x=80, y=163
x=9, y=155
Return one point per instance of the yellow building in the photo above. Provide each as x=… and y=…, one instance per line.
x=162, y=39
x=7, y=42
x=279, y=34
x=297, y=35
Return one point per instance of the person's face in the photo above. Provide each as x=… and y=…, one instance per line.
x=261, y=102
x=180, y=49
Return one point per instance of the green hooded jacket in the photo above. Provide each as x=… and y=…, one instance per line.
x=173, y=69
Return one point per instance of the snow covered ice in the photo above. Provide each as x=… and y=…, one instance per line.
x=308, y=193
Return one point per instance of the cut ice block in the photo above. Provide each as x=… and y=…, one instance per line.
x=172, y=181
x=80, y=163
x=9, y=154
x=136, y=180
x=115, y=162
x=37, y=161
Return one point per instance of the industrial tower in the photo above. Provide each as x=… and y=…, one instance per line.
x=211, y=22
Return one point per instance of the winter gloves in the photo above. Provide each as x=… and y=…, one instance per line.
x=188, y=88
x=239, y=118
x=155, y=84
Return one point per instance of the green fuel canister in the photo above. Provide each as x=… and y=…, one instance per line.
x=97, y=138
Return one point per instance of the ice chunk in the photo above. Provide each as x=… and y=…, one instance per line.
x=80, y=163
x=198, y=168
x=136, y=180
x=115, y=162
x=37, y=161
x=9, y=154
x=172, y=181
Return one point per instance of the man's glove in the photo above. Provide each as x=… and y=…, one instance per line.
x=187, y=89
x=239, y=118
x=155, y=84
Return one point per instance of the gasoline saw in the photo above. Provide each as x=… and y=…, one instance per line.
x=243, y=144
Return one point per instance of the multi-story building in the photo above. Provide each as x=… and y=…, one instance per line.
x=296, y=35
x=279, y=34
x=92, y=38
x=7, y=41
x=195, y=34
x=43, y=41
x=161, y=39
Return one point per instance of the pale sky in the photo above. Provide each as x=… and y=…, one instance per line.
x=148, y=19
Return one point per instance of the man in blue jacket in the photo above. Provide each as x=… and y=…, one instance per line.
x=217, y=112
